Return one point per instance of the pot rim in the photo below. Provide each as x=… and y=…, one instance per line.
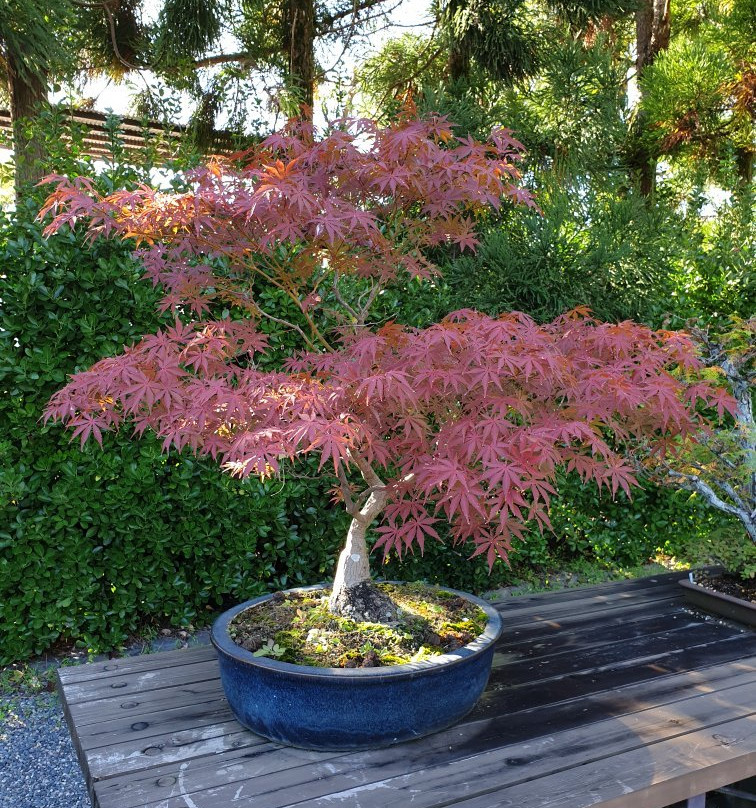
x=686, y=583
x=220, y=638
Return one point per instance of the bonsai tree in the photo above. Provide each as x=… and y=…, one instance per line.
x=721, y=465
x=467, y=420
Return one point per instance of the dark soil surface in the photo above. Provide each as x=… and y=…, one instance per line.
x=299, y=628
x=728, y=584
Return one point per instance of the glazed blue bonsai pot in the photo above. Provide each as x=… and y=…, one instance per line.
x=345, y=709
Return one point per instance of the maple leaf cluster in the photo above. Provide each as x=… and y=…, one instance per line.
x=467, y=420
x=300, y=212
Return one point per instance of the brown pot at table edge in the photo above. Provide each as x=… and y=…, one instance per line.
x=719, y=603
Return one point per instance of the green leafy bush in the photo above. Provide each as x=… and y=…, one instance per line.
x=728, y=546
x=623, y=532
x=587, y=248
x=715, y=279
x=94, y=543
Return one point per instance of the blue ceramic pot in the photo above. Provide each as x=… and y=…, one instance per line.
x=363, y=708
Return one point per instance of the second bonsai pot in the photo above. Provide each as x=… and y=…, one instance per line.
x=346, y=709
x=719, y=603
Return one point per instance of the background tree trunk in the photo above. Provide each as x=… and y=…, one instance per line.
x=652, y=31
x=744, y=158
x=458, y=65
x=299, y=43
x=28, y=96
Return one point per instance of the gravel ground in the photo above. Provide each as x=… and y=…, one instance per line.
x=38, y=766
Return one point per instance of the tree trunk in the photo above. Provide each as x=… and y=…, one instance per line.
x=28, y=96
x=652, y=31
x=354, y=566
x=458, y=65
x=744, y=158
x=737, y=499
x=299, y=43
x=353, y=594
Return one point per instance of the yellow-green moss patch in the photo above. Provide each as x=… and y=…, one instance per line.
x=298, y=628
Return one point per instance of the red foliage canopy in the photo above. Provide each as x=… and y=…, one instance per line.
x=301, y=213
x=466, y=420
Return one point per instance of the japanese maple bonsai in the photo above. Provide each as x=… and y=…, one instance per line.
x=466, y=421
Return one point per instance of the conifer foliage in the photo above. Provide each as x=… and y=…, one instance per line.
x=467, y=420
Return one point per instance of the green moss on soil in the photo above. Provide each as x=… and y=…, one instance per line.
x=298, y=628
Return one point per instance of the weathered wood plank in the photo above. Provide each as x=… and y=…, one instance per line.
x=96, y=670
x=653, y=583
x=596, y=605
x=80, y=755
x=499, y=696
x=169, y=748
x=152, y=787
x=537, y=716
x=628, y=652
x=137, y=681
x=650, y=777
x=552, y=640
x=150, y=723
x=541, y=626
x=458, y=743
x=362, y=780
x=116, y=707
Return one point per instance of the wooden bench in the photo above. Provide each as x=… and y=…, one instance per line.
x=615, y=696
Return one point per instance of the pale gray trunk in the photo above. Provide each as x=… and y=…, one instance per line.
x=353, y=567
x=744, y=417
x=693, y=482
x=738, y=500
x=354, y=595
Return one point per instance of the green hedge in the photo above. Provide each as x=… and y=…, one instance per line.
x=618, y=533
x=94, y=543
x=625, y=532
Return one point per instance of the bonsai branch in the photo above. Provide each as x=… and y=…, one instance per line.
x=694, y=483
x=340, y=298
